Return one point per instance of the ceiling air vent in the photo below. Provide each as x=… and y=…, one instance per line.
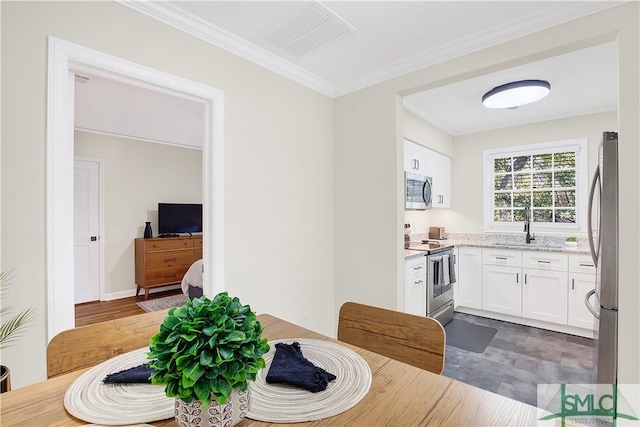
x=306, y=28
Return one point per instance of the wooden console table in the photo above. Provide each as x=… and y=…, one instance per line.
x=164, y=261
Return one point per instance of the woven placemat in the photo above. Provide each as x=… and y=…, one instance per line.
x=279, y=403
x=90, y=400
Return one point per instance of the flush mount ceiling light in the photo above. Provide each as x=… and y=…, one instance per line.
x=515, y=94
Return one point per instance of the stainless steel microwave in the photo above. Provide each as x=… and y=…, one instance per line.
x=417, y=191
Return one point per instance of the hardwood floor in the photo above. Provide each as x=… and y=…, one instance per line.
x=100, y=311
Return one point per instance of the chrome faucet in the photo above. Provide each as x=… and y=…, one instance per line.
x=527, y=225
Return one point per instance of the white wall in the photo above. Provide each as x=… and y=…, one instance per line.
x=366, y=269
x=423, y=132
x=137, y=176
x=466, y=213
x=278, y=203
x=366, y=165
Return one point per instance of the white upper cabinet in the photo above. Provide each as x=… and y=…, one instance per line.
x=421, y=160
x=415, y=158
x=439, y=168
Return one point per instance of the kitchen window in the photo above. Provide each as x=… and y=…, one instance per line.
x=550, y=178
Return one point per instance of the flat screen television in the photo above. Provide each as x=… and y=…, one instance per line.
x=174, y=218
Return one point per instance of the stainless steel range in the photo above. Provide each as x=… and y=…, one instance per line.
x=440, y=279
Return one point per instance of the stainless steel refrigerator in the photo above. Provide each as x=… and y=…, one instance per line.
x=602, y=301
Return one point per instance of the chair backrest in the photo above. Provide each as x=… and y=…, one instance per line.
x=415, y=340
x=89, y=345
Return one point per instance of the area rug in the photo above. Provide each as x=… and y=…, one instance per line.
x=162, y=303
x=469, y=336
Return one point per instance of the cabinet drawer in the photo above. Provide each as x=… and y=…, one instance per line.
x=415, y=267
x=581, y=264
x=167, y=244
x=169, y=275
x=197, y=254
x=502, y=257
x=197, y=242
x=169, y=259
x=545, y=261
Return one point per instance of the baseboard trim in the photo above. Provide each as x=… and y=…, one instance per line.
x=132, y=292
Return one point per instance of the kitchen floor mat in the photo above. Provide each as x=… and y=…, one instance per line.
x=469, y=336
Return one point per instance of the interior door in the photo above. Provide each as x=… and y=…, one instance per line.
x=86, y=226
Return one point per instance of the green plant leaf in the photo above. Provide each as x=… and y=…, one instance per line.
x=206, y=357
x=203, y=391
x=183, y=361
x=235, y=336
x=225, y=353
x=210, y=330
x=193, y=372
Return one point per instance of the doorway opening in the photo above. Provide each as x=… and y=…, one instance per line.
x=66, y=59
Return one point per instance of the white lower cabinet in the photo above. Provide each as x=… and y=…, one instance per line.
x=544, y=295
x=535, y=293
x=578, y=315
x=501, y=289
x=415, y=285
x=415, y=297
x=468, y=287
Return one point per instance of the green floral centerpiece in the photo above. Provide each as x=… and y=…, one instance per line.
x=206, y=350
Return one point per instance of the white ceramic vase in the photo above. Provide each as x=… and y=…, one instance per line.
x=216, y=415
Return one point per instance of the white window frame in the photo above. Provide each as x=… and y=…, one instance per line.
x=582, y=185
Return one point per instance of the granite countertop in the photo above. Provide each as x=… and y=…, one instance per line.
x=501, y=241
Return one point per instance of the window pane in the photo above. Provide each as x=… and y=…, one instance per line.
x=564, y=160
x=521, y=200
x=502, y=165
x=541, y=161
x=546, y=182
x=565, y=198
x=542, y=198
x=565, y=178
x=522, y=163
x=502, y=215
x=542, y=215
x=566, y=216
x=502, y=200
x=522, y=181
x=503, y=182
x=542, y=180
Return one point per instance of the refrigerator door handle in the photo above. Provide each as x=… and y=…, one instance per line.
x=592, y=249
x=591, y=309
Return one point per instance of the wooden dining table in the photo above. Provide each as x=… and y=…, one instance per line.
x=400, y=395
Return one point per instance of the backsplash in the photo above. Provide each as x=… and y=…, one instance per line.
x=505, y=239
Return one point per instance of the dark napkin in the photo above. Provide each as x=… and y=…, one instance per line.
x=137, y=374
x=289, y=366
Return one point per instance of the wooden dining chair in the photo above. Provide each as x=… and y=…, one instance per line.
x=89, y=345
x=415, y=340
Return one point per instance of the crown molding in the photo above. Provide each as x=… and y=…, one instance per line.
x=477, y=129
x=556, y=14
x=178, y=18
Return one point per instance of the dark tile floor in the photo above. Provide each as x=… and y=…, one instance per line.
x=521, y=357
